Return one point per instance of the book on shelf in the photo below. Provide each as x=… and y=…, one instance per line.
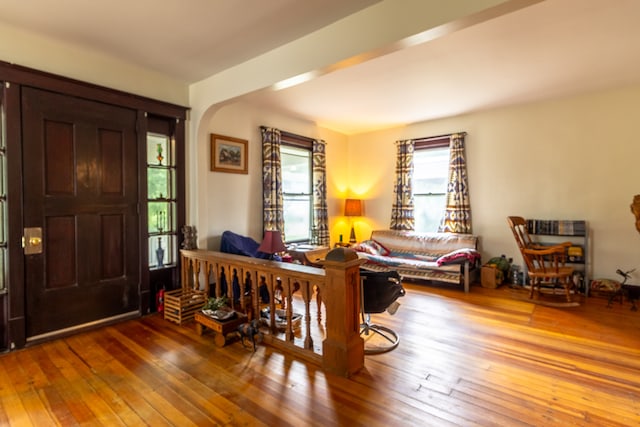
x=557, y=227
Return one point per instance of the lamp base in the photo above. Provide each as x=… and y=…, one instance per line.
x=352, y=236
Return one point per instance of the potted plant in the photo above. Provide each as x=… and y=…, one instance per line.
x=218, y=308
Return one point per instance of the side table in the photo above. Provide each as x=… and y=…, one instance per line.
x=220, y=327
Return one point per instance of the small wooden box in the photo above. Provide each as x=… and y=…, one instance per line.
x=180, y=305
x=488, y=277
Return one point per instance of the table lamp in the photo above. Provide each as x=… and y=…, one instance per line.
x=353, y=207
x=272, y=243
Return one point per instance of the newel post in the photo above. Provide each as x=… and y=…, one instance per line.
x=343, y=348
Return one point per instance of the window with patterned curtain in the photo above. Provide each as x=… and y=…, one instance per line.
x=433, y=171
x=302, y=186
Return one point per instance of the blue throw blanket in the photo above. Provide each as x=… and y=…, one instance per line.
x=233, y=243
x=236, y=244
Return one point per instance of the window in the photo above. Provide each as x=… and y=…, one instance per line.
x=3, y=200
x=161, y=193
x=297, y=194
x=430, y=176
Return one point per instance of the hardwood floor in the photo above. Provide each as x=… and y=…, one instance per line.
x=479, y=359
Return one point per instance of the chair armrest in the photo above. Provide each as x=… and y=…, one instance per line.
x=546, y=250
x=551, y=256
x=541, y=247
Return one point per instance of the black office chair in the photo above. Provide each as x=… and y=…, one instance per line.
x=378, y=293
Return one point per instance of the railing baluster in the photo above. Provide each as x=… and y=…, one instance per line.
x=289, y=309
x=306, y=289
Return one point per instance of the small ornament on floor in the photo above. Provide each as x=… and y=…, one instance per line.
x=249, y=331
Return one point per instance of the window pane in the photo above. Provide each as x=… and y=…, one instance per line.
x=297, y=218
x=428, y=212
x=296, y=170
x=3, y=209
x=158, y=183
x=430, y=170
x=157, y=153
x=160, y=217
x=162, y=250
x=3, y=267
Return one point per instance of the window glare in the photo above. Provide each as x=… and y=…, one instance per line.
x=297, y=222
x=296, y=176
x=430, y=170
x=428, y=212
x=430, y=176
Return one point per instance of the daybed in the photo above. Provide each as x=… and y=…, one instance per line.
x=439, y=257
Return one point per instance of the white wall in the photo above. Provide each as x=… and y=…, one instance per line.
x=224, y=201
x=41, y=53
x=573, y=158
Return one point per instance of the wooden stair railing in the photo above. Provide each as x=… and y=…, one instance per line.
x=342, y=350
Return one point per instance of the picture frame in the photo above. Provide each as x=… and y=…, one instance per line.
x=228, y=154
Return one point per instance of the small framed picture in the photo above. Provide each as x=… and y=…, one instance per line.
x=228, y=154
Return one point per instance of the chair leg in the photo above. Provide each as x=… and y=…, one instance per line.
x=533, y=287
x=390, y=336
x=568, y=284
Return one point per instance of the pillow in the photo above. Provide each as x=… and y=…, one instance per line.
x=371, y=247
x=459, y=256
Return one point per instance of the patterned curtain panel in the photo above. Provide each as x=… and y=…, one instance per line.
x=272, y=200
x=320, y=210
x=457, y=215
x=402, y=215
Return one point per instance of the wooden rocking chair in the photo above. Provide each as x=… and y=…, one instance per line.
x=545, y=264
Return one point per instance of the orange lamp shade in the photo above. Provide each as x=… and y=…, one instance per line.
x=353, y=207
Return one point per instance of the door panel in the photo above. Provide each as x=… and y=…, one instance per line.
x=60, y=233
x=80, y=186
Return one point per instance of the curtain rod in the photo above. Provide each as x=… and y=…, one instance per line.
x=291, y=135
x=295, y=136
x=433, y=138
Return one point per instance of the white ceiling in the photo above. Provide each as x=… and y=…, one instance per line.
x=185, y=39
x=553, y=48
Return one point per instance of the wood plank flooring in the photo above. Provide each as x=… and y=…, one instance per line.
x=481, y=359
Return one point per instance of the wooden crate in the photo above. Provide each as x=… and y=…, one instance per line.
x=180, y=305
x=489, y=277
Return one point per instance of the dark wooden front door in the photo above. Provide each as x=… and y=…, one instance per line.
x=80, y=188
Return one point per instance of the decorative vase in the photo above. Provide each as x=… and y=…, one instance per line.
x=160, y=253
